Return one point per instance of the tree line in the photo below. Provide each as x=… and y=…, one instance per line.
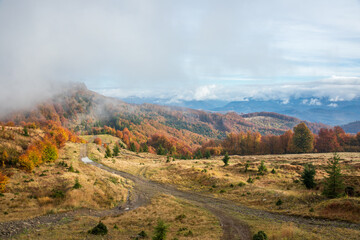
x=298, y=140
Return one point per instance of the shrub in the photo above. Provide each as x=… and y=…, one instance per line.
x=97, y=141
x=99, y=229
x=188, y=234
x=273, y=171
x=71, y=169
x=77, y=185
x=262, y=168
x=226, y=159
x=116, y=150
x=49, y=152
x=57, y=194
x=308, y=175
x=241, y=184
x=26, y=133
x=250, y=180
x=3, y=181
x=107, y=152
x=142, y=234
x=279, y=202
x=260, y=236
x=180, y=217
x=160, y=231
x=246, y=167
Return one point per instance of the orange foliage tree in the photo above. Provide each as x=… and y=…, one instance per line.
x=3, y=181
x=97, y=141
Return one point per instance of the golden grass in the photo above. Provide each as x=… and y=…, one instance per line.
x=277, y=230
x=30, y=194
x=211, y=177
x=201, y=223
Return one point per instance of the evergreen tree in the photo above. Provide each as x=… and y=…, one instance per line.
x=116, y=150
x=262, y=168
x=132, y=147
x=26, y=133
x=145, y=148
x=334, y=182
x=226, y=159
x=207, y=154
x=160, y=231
x=107, y=152
x=161, y=150
x=303, y=140
x=308, y=175
x=198, y=154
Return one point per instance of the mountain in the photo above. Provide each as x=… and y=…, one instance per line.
x=314, y=110
x=88, y=112
x=328, y=111
x=353, y=127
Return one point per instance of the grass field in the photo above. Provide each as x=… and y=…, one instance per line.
x=49, y=188
x=184, y=220
x=231, y=182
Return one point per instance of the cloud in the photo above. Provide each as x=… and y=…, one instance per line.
x=312, y=101
x=157, y=47
x=333, y=89
x=332, y=105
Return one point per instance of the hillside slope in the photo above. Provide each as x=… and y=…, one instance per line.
x=353, y=127
x=87, y=112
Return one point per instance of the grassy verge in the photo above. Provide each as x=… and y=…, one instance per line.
x=185, y=221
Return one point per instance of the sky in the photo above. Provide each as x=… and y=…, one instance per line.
x=185, y=50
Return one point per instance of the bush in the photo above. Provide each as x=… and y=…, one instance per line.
x=77, y=185
x=250, y=180
x=273, y=171
x=141, y=234
x=262, y=168
x=226, y=159
x=97, y=141
x=180, y=217
x=160, y=231
x=99, y=229
x=260, y=236
x=116, y=150
x=246, y=167
x=279, y=202
x=241, y=184
x=107, y=152
x=57, y=194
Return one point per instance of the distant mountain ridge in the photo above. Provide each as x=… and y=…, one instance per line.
x=328, y=111
x=353, y=127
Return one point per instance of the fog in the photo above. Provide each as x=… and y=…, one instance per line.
x=158, y=47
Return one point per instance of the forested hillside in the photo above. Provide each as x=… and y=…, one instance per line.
x=88, y=112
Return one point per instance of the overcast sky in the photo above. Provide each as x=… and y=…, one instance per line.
x=191, y=49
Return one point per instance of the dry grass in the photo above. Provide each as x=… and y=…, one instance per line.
x=285, y=231
x=32, y=194
x=210, y=176
x=201, y=223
